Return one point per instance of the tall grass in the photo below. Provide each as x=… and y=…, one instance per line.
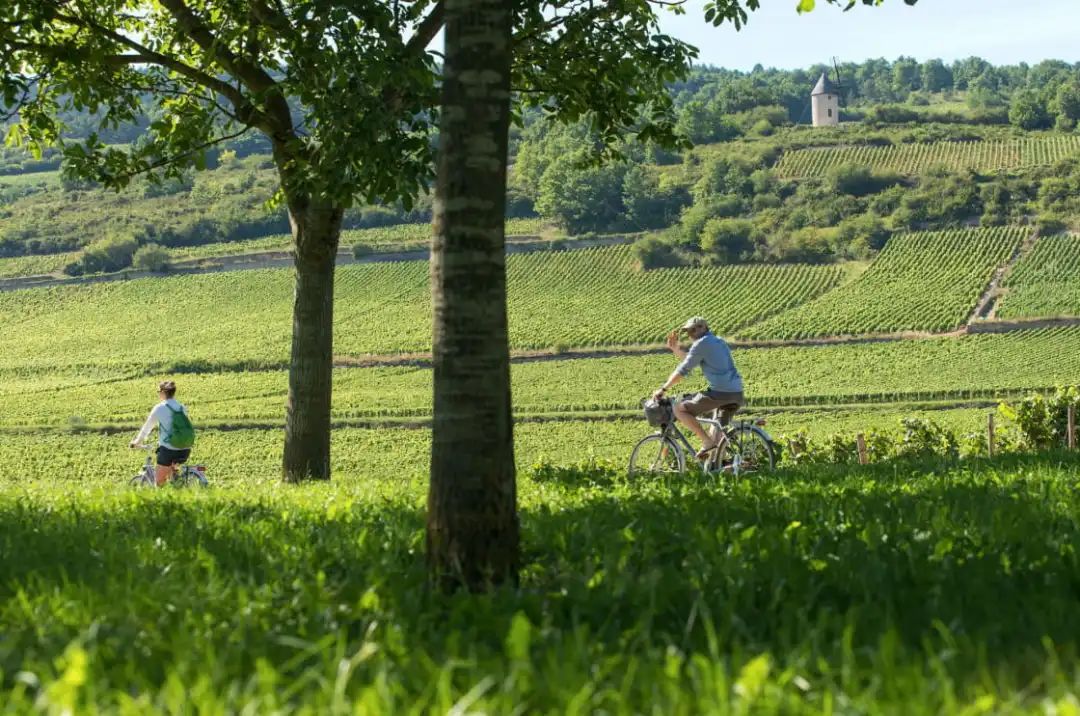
x=917, y=589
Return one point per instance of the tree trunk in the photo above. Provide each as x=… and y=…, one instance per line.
x=316, y=230
x=472, y=525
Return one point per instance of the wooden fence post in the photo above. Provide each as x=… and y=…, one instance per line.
x=860, y=443
x=1071, y=437
x=990, y=435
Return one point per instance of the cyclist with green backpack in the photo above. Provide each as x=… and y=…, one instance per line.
x=176, y=435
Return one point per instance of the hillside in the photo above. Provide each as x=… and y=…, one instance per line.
x=920, y=282
x=936, y=147
x=570, y=298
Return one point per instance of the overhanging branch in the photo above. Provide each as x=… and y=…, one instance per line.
x=427, y=29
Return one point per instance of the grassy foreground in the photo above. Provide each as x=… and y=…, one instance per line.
x=895, y=589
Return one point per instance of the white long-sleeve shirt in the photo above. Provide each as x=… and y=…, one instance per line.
x=161, y=417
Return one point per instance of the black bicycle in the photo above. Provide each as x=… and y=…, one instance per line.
x=743, y=446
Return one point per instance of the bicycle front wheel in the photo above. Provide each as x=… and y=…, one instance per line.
x=749, y=451
x=656, y=455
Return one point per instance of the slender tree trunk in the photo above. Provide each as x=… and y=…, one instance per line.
x=316, y=231
x=472, y=524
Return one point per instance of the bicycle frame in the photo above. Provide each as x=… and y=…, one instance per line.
x=181, y=473
x=723, y=434
x=672, y=432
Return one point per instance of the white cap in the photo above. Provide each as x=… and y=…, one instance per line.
x=695, y=322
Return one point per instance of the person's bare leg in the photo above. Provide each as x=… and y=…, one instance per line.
x=162, y=474
x=684, y=417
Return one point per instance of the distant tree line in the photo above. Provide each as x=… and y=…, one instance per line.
x=1029, y=96
x=719, y=203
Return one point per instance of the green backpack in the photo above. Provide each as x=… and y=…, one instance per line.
x=183, y=432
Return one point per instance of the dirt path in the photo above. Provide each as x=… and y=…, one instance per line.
x=986, y=308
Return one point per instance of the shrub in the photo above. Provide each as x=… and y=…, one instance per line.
x=1050, y=224
x=112, y=253
x=762, y=128
x=926, y=439
x=518, y=204
x=151, y=257
x=1027, y=111
x=859, y=180
x=861, y=236
x=1042, y=420
x=361, y=250
x=727, y=240
x=653, y=252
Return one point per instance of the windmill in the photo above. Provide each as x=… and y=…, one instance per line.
x=825, y=100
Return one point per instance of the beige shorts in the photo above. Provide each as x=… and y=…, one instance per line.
x=710, y=400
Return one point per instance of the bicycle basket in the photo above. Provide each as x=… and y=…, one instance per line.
x=658, y=412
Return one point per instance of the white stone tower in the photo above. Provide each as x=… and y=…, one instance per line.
x=825, y=102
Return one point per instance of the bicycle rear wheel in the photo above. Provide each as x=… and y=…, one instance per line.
x=656, y=455
x=189, y=476
x=748, y=451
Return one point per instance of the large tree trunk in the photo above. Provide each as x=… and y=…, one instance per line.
x=472, y=525
x=316, y=230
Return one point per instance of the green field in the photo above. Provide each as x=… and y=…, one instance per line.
x=985, y=156
x=976, y=367
x=1045, y=282
x=19, y=266
x=861, y=588
x=919, y=282
x=45, y=179
x=569, y=298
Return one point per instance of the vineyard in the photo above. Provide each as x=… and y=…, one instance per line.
x=986, y=156
x=567, y=298
x=1045, y=282
x=975, y=367
x=919, y=282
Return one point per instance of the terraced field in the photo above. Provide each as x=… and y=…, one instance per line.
x=919, y=282
x=986, y=156
x=571, y=298
x=1045, y=282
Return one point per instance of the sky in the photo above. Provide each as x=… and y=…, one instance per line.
x=1000, y=31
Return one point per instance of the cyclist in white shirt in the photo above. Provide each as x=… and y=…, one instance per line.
x=161, y=417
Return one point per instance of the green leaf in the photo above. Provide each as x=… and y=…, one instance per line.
x=519, y=637
x=805, y=6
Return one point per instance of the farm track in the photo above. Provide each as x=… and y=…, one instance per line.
x=283, y=259
x=986, y=308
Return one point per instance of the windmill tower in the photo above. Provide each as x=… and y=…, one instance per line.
x=825, y=102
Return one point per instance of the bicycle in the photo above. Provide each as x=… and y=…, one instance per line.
x=183, y=475
x=744, y=447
